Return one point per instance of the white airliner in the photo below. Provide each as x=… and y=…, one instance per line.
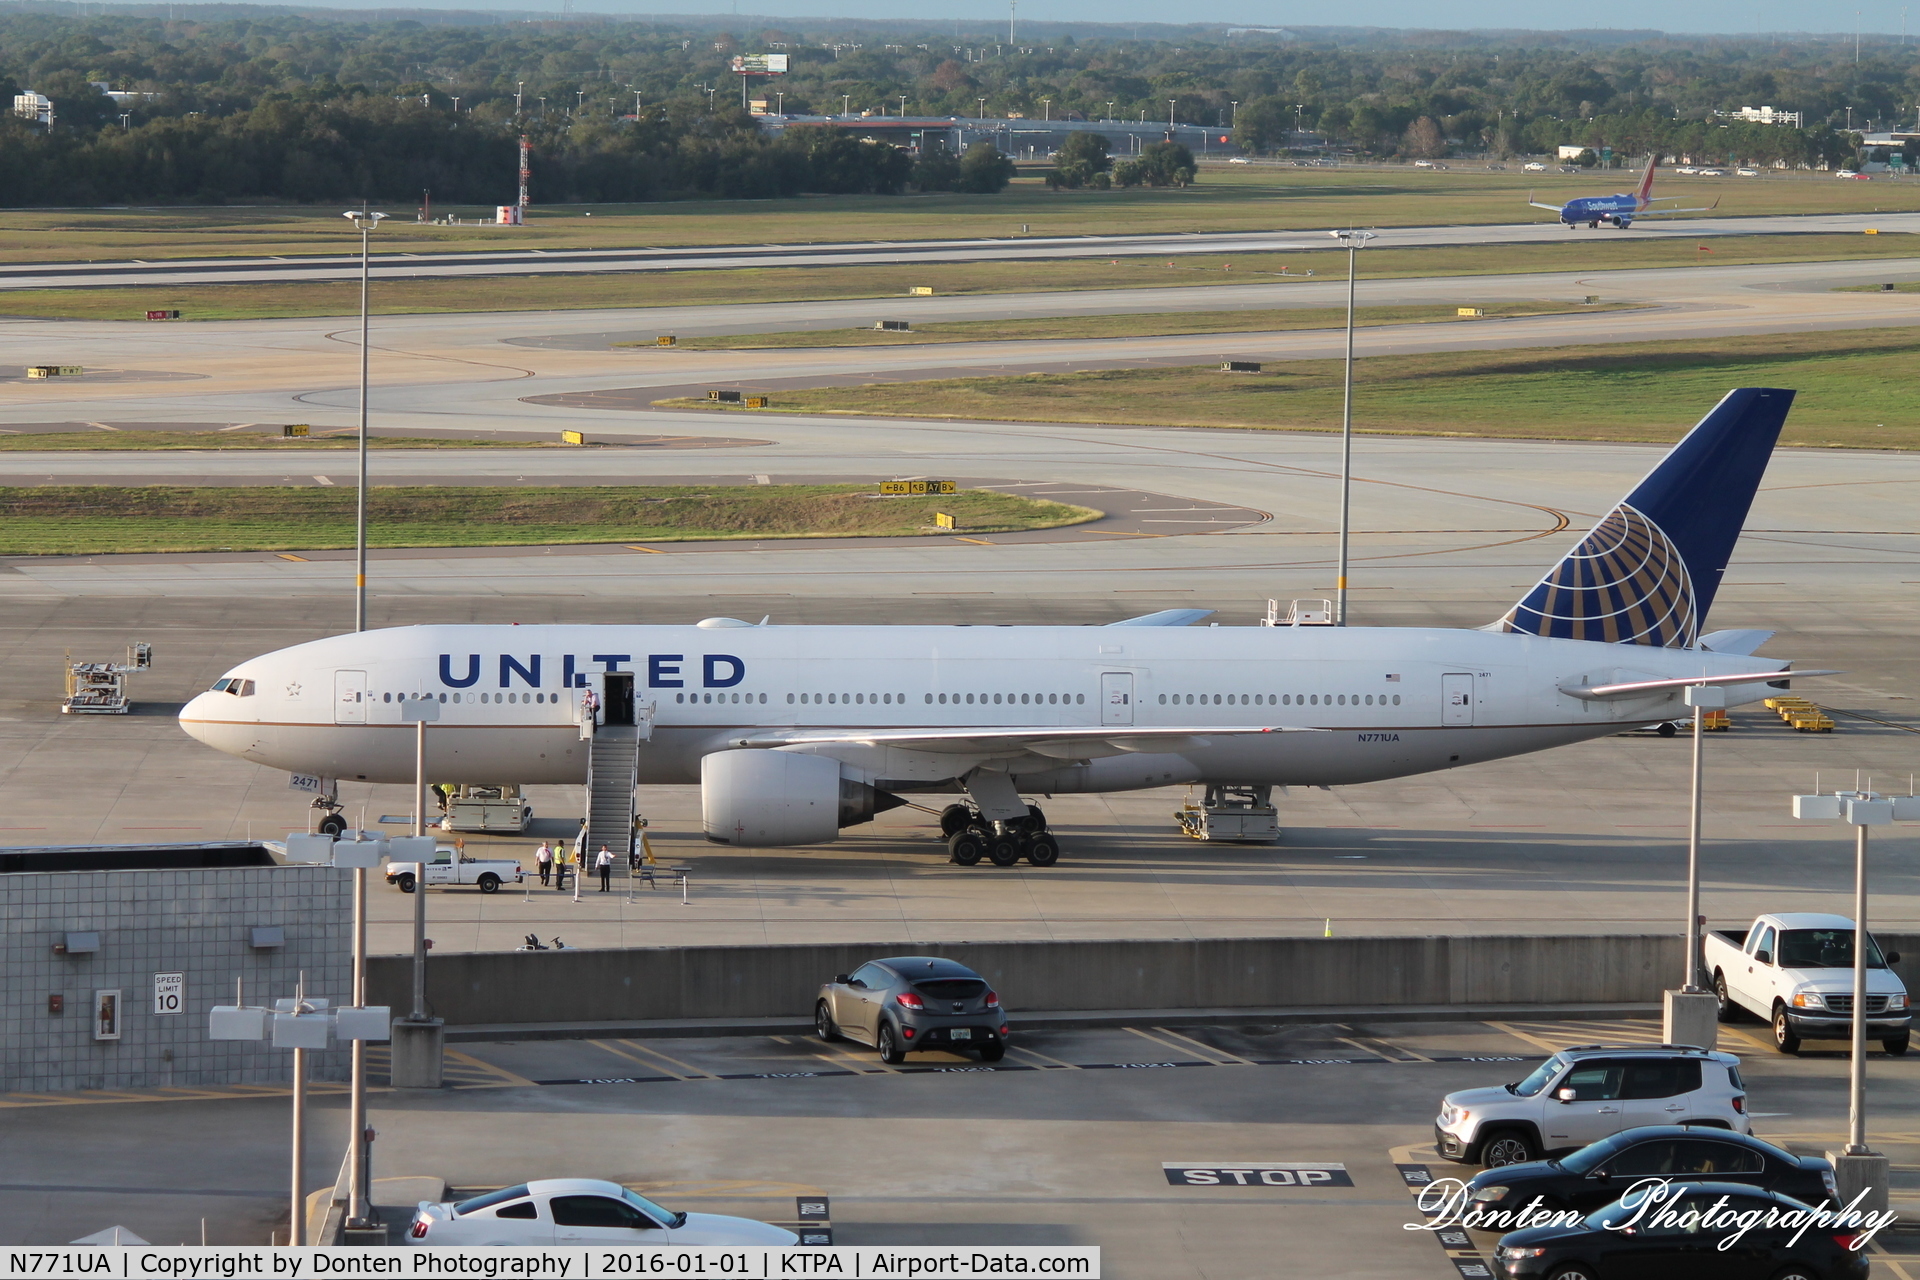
x=794, y=732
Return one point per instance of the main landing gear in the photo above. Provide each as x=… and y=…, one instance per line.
x=971, y=838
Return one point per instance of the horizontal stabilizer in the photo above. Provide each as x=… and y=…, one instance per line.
x=1651, y=688
x=1165, y=618
x=1744, y=643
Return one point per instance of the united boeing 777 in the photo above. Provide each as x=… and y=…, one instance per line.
x=795, y=732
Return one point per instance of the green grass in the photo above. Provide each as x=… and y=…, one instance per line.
x=1240, y=198
x=1158, y=324
x=402, y=296
x=88, y=520
x=1856, y=391
x=146, y=441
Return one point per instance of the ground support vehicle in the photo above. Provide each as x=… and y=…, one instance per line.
x=452, y=867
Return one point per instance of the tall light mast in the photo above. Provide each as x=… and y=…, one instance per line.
x=526, y=171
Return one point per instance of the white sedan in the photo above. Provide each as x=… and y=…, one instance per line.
x=582, y=1211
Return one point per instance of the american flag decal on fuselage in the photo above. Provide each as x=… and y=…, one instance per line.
x=1625, y=583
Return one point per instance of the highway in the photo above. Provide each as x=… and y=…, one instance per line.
x=268, y=270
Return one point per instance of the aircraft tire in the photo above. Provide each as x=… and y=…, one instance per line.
x=1042, y=851
x=332, y=825
x=1003, y=851
x=965, y=848
x=955, y=818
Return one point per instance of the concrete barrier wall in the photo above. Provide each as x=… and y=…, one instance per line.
x=781, y=981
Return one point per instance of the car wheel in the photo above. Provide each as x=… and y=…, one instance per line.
x=992, y=1052
x=965, y=847
x=1796, y=1272
x=1572, y=1271
x=1508, y=1146
x=954, y=819
x=889, y=1045
x=406, y=884
x=489, y=883
x=332, y=825
x=1783, y=1038
x=1004, y=851
x=1897, y=1045
x=1042, y=851
x=1728, y=1011
x=823, y=1023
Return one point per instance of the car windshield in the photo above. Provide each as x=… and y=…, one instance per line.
x=1543, y=1073
x=666, y=1217
x=490, y=1199
x=1823, y=949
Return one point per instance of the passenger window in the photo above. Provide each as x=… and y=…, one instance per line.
x=1592, y=1082
x=1660, y=1079
x=1696, y=1157
x=597, y=1211
x=1765, y=943
x=1643, y=1159
x=524, y=1209
x=868, y=976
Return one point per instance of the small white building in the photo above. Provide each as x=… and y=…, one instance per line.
x=1764, y=115
x=34, y=106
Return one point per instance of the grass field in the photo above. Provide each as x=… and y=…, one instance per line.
x=147, y=441
x=1855, y=392
x=1159, y=324
x=393, y=295
x=1225, y=199
x=87, y=519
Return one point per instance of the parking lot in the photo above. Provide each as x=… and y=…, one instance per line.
x=1063, y=1142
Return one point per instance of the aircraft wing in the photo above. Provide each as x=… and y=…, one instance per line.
x=1554, y=207
x=1164, y=618
x=1062, y=742
x=1661, y=213
x=1650, y=688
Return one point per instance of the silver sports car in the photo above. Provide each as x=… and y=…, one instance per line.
x=913, y=1002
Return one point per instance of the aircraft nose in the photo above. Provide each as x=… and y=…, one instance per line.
x=194, y=717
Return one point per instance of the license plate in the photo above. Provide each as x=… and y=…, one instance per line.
x=960, y=1033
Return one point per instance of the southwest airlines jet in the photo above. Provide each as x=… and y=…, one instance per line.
x=1619, y=209
x=794, y=732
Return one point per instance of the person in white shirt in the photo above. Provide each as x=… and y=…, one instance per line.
x=604, y=862
x=543, y=858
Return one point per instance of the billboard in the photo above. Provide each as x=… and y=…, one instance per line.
x=760, y=64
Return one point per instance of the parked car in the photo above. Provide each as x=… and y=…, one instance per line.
x=1584, y=1094
x=580, y=1211
x=1794, y=970
x=1686, y=169
x=1534, y=166
x=1748, y=173
x=1239, y=160
x=1592, y=1249
x=452, y=867
x=1596, y=1175
x=1712, y=173
x=913, y=1002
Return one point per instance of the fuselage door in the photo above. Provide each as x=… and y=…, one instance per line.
x=1456, y=699
x=349, y=697
x=1116, y=697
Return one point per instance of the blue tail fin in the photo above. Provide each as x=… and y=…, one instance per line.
x=1648, y=572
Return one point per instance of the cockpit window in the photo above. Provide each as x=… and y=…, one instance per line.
x=237, y=687
x=220, y=686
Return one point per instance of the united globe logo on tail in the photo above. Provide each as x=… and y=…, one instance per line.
x=1626, y=583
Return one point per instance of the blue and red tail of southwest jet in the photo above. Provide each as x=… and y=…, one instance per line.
x=1648, y=572
x=1619, y=210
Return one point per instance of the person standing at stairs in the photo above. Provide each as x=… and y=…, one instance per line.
x=603, y=862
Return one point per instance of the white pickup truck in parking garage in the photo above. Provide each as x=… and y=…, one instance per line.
x=1795, y=971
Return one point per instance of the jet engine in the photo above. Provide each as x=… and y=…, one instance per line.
x=758, y=799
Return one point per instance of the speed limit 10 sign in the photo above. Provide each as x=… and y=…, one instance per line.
x=169, y=992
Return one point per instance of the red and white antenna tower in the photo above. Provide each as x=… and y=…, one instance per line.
x=526, y=171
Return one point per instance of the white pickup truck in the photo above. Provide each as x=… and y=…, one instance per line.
x=1795, y=971
x=452, y=867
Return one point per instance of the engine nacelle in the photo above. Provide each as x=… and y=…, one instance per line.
x=757, y=799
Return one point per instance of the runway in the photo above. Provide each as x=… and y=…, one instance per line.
x=415, y=266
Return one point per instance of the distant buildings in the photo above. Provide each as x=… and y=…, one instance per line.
x=34, y=106
x=1763, y=115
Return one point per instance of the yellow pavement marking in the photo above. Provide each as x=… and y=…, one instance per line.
x=494, y=1076
x=1232, y=1059
x=978, y=542
x=693, y=1073
x=205, y=1093
x=1518, y=1034
x=1035, y=1053
x=652, y=551
x=1887, y=1260
x=631, y=1057
x=283, y=555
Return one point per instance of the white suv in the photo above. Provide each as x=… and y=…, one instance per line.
x=1584, y=1094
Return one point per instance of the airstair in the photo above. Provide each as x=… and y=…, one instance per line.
x=613, y=769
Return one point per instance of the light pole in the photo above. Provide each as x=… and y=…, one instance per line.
x=779, y=104
x=1046, y=111
x=983, y=107
x=366, y=221
x=1355, y=241
x=1171, y=103
x=418, y=1038
x=1858, y=1170
x=456, y=105
x=903, y=106
x=1233, y=121
x=579, y=100
x=1109, y=113
x=846, y=108
x=519, y=88
x=1690, y=1013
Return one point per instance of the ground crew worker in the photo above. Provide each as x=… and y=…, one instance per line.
x=543, y=858
x=604, y=861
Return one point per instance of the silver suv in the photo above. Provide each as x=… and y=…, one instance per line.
x=1590, y=1092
